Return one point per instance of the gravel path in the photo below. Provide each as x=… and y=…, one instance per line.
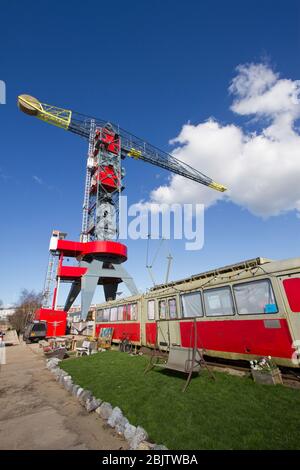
x=37, y=413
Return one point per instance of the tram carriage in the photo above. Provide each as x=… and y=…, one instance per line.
x=242, y=311
x=124, y=316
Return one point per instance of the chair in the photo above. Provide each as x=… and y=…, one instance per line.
x=85, y=349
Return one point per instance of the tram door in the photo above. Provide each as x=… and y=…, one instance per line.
x=291, y=294
x=168, y=329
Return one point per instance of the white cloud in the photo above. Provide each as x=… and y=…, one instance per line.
x=42, y=183
x=262, y=169
x=37, y=179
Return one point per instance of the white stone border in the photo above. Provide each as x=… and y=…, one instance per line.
x=136, y=436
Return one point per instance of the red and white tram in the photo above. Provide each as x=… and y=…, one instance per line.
x=242, y=311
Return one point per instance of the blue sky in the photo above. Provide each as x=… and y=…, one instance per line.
x=151, y=67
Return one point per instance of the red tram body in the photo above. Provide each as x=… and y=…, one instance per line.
x=243, y=311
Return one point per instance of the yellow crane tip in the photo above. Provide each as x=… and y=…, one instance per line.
x=218, y=187
x=29, y=105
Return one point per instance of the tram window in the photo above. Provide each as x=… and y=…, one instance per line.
x=128, y=312
x=255, y=297
x=151, y=309
x=191, y=305
x=218, y=302
x=114, y=314
x=99, y=315
x=162, y=308
x=134, y=312
x=122, y=312
x=106, y=314
x=172, y=308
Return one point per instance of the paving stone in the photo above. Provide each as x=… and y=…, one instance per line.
x=92, y=404
x=84, y=396
x=129, y=431
x=120, y=427
x=139, y=436
x=56, y=371
x=115, y=417
x=68, y=385
x=79, y=392
x=105, y=410
x=53, y=362
x=144, y=445
x=75, y=389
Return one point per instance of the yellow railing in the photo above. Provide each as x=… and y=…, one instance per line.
x=57, y=116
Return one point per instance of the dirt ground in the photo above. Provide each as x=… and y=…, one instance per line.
x=37, y=413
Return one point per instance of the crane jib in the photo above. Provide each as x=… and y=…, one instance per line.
x=131, y=146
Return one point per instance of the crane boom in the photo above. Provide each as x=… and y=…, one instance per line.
x=131, y=146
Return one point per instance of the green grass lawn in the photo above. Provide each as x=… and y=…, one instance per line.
x=230, y=413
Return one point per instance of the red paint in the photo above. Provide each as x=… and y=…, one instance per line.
x=61, y=258
x=105, y=247
x=292, y=290
x=150, y=333
x=108, y=178
x=74, y=249
x=56, y=321
x=54, y=297
x=108, y=139
x=69, y=273
x=69, y=248
x=120, y=329
x=240, y=336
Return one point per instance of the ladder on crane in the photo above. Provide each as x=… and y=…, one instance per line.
x=50, y=279
x=84, y=237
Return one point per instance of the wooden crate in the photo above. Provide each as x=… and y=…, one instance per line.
x=272, y=377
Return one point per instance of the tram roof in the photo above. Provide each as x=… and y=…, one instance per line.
x=269, y=266
x=250, y=263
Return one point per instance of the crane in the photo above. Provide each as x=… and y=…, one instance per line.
x=108, y=146
x=131, y=146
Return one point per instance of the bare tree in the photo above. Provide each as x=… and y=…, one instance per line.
x=28, y=303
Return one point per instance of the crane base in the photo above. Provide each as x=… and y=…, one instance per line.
x=100, y=263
